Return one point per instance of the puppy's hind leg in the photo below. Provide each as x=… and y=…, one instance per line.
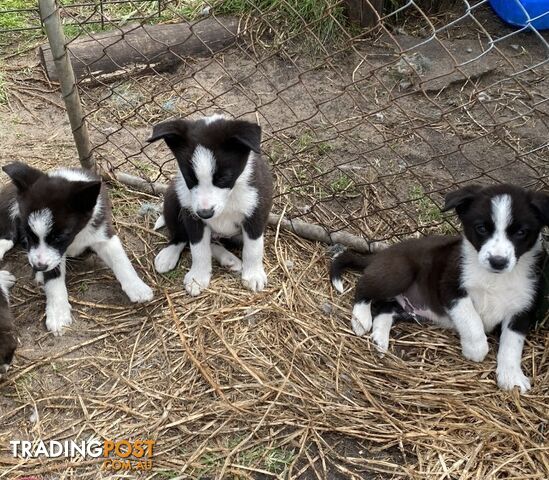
x=225, y=258
x=113, y=254
x=168, y=257
x=382, y=281
x=384, y=313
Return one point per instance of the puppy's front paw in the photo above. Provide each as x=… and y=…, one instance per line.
x=509, y=378
x=254, y=279
x=139, y=292
x=195, y=281
x=475, y=350
x=361, y=319
x=58, y=316
x=7, y=280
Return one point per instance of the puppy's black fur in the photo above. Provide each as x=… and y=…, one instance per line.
x=8, y=340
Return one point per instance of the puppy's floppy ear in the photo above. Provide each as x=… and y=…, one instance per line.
x=22, y=175
x=461, y=199
x=171, y=130
x=83, y=196
x=540, y=204
x=245, y=136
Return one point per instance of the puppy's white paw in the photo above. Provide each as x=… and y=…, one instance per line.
x=254, y=279
x=160, y=222
x=357, y=327
x=382, y=330
x=230, y=261
x=381, y=340
x=139, y=292
x=5, y=245
x=7, y=280
x=58, y=316
x=509, y=378
x=195, y=281
x=475, y=350
x=362, y=318
x=168, y=257
x=338, y=285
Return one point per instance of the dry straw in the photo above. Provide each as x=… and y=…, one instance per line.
x=233, y=384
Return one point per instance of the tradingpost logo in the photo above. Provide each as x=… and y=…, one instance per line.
x=117, y=454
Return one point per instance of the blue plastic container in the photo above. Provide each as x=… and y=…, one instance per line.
x=510, y=11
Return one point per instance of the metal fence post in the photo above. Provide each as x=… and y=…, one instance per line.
x=49, y=14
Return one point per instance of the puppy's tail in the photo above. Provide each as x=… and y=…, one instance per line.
x=160, y=222
x=347, y=260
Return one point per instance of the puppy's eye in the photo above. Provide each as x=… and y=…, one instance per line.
x=30, y=237
x=222, y=181
x=481, y=229
x=521, y=233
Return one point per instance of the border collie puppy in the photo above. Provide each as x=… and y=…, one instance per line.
x=57, y=215
x=222, y=192
x=490, y=276
x=8, y=341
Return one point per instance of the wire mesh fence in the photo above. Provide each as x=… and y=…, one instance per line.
x=368, y=119
x=371, y=111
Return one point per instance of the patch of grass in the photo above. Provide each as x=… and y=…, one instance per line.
x=175, y=275
x=146, y=168
x=427, y=210
x=300, y=18
x=312, y=22
x=342, y=184
x=323, y=148
x=273, y=460
x=16, y=17
x=428, y=213
x=83, y=287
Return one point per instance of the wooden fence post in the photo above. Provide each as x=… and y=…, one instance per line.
x=51, y=19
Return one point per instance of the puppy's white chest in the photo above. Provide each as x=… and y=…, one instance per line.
x=498, y=297
x=228, y=224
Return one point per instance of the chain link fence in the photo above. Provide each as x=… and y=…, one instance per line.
x=370, y=110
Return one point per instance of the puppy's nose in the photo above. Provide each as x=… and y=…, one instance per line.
x=39, y=267
x=205, y=213
x=498, y=263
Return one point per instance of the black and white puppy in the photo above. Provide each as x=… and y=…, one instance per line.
x=223, y=190
x=488, y=277
x=56, y=215
x=8, y=340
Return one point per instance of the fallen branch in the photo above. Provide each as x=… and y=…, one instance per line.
x=140, y=48
x=316, y=233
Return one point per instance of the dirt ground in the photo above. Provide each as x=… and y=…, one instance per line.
x=275, y=385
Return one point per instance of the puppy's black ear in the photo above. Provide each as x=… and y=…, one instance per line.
x=246, y=136
x=461, y=199
x=540, y=204
x=174, y=130
x=22, y=175
x=84, y=195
